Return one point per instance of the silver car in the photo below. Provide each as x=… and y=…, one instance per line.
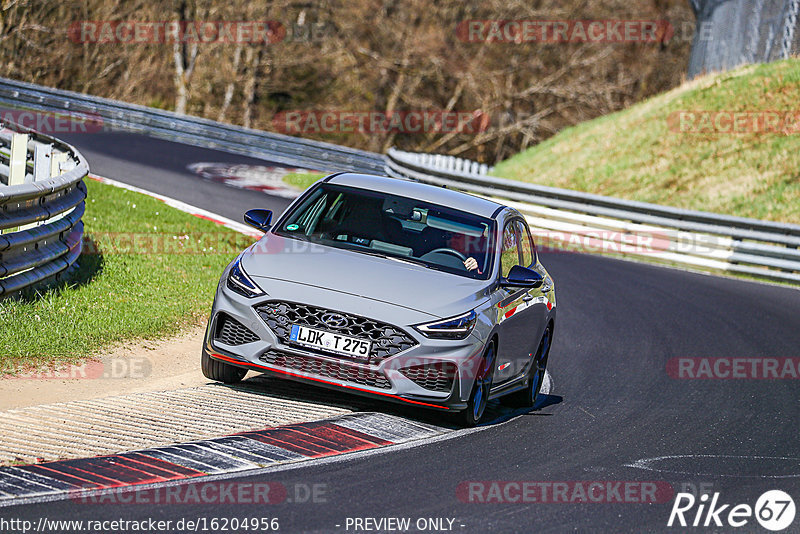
x=389, y=288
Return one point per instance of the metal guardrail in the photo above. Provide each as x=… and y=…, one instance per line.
x=697, y=239
x=284, y=149
x=41, y=204
x=572, y=219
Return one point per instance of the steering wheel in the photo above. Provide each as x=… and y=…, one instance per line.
x=450, y=251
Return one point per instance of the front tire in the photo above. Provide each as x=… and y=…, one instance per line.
x=527, y=397
x=221, y=371
x=476, y=406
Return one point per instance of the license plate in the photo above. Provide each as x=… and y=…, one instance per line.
x=330, y=342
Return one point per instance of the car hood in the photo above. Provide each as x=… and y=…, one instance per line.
x=390, y=281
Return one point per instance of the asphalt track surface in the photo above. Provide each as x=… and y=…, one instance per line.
x=160, y=167
x=613, y=401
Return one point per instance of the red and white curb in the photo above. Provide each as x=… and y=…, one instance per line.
x=245, y=451
x=251, y=177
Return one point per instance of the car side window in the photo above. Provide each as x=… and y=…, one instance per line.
x=526, y=245
x=509, y=256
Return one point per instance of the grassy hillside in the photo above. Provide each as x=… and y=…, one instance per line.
x=646, y=153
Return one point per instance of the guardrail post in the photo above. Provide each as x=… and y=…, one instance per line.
x=17, y=165
x=18, y=159
x=56, y=159
x=42, y=155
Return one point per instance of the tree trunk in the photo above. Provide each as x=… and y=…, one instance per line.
x=185, y=57
x=226, y=102
x=253, y=60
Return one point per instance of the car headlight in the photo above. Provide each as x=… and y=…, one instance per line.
x=458, y=327
x=240, y=283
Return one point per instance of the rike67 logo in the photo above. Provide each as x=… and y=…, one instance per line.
x=774, y=510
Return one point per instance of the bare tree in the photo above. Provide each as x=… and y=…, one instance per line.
x=184, y=54
x=379, y=55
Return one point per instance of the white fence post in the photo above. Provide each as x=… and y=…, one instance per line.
x=17, y=164
x=18, y=159
x=56, y=159
x=42, y=155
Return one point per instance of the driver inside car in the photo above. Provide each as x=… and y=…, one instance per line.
x=467, y=245
x=472, y=264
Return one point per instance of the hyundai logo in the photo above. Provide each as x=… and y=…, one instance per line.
x=335, y=320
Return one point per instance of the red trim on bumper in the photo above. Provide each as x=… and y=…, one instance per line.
x=303, y=377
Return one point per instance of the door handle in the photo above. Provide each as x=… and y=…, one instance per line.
x=527, y=298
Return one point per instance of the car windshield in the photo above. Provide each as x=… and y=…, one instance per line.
x=397, y=227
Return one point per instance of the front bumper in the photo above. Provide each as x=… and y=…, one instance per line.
x=398, y=378
x=449, y=404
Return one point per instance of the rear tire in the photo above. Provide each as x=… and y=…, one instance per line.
x=476, y=406
x=221, y=371
x=526, y=398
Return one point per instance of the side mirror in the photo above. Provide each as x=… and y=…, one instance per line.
x=520, y=276
x=259, y=219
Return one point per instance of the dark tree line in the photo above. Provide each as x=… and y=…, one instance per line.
x=358, y=55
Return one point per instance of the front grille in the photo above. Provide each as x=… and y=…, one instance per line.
x=232, y=332
x=387, y=340
x=434, y=377
x=335, y=370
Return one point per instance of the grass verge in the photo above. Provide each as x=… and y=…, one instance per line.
x=646, y=153
x=303, y=180
x=148, y=270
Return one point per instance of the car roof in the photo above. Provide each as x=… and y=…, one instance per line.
x=417, y=190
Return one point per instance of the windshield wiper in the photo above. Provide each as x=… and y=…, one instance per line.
x=365, y=251
x=414, y=261
x=403, y=259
